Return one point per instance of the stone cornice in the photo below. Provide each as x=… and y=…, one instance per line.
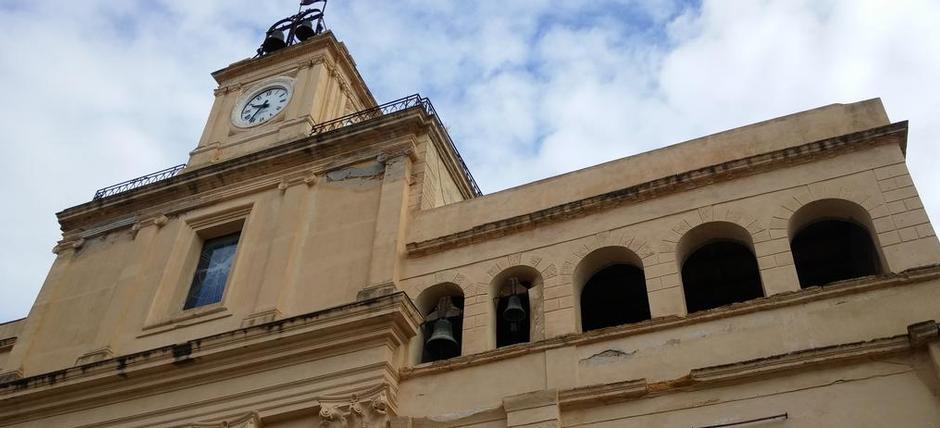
x=318, y=154
x=707, y=377
x=890, y=134
x=390, y=319
x=850, y=287
x=715, y=376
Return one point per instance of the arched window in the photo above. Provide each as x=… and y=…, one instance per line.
x=442, y=330
x=612, y=289
x=831, y=242
x=513, y=313
x=718, y=266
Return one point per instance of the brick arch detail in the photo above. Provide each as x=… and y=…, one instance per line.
x=780, y=221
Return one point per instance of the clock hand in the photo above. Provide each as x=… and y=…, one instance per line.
x=259, y=108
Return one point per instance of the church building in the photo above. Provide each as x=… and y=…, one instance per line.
x=323, y=260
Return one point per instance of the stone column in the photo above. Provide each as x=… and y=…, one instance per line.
x=388, y=244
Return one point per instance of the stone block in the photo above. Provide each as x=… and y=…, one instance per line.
x=913, y=203
x=896, y=207
x=891, y=171
x=889, y=238
x=784, y=259
x=908, y=233
x=661, y=269
x=556, y=292
x=911, y=218
x=781, y=279
x=925, y=230
x=900, y=194
x=667, y=301
x=883, y=224
x=560, y=322
x=771, y=247
x=766, y=262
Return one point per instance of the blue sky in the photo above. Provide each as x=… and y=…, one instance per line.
x=100, y=91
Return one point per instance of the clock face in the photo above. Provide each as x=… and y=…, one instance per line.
x=264, y=105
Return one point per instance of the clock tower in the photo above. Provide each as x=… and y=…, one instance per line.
x=279, y=96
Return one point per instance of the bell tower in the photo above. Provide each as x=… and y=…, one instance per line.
x=300, y=76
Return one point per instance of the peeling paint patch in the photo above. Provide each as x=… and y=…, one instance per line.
x=371, y=170
x=606, y=357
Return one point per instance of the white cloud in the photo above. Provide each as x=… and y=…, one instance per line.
x=99, y=91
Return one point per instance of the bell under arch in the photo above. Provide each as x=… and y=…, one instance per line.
x=441, y=334
x=516, y=295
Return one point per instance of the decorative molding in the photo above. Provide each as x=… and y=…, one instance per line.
x=261, y=317
x=7, y=344
x=602, y=394
x=9, y=376
x=659, y=187
x=217, y=218
x=394, y=314
x=802, y=359
x=249, y=420
x=247, y=174
x=368, y=411
x=99, y=354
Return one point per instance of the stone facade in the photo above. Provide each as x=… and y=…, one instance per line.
x=350, y=236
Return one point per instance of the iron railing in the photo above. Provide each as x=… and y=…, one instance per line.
x=401, y=104
x=139, y=182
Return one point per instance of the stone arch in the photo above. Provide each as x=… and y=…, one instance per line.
x=831, y=240
x=530, y=267
x=427, y=302
x=718, y=266
x=569, y=297
x=425, y=296
x=880, y=223
x=609, y=283
x=663, y=277
x=780, y=222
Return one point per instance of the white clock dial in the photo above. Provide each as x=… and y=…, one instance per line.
x=263, y=106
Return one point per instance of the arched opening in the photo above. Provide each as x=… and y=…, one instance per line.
x=718, y=266
x=517, y=303
x=611, y=287
x=831, y=241
x=513, y=313
x=441, y=335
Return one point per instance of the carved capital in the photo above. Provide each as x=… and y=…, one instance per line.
x=249, y=420
x=354, y=412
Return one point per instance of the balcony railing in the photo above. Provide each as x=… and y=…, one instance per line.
x=402, y=104
x=139, y=182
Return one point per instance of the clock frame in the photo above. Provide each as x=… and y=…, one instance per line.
x=284, y=83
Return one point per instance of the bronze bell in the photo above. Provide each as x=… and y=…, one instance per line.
x=514, y=311
x=442, y=342
x=273, y=41
x=305, y=30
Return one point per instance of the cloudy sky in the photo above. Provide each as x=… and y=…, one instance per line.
x=100, y=91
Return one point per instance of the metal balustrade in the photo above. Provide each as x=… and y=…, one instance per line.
x=399, y=105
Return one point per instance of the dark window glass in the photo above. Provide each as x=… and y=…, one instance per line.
x=833, y=250
x=718, y=274
x=215, y=262
x=615, y=295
